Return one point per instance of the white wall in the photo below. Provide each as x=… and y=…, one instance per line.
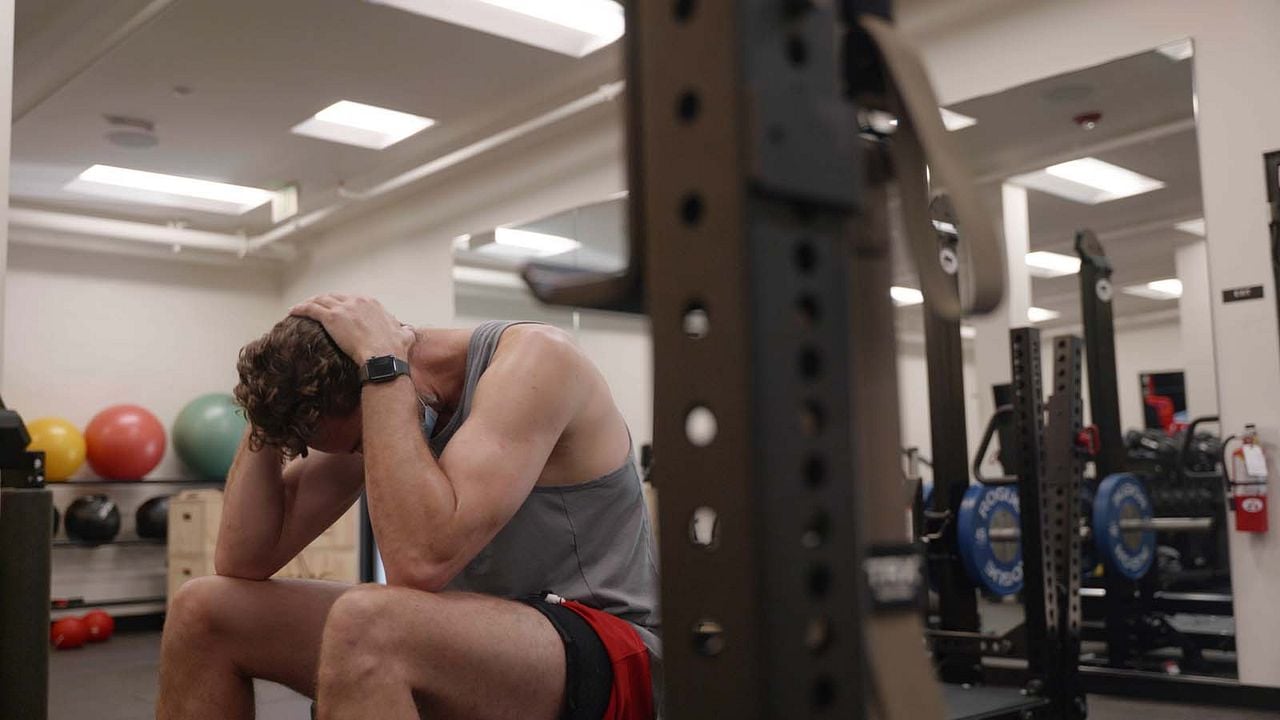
x=913, y=398
x=1150, y=348
x=86, y=331
x=1237, y=65
x=619, y=345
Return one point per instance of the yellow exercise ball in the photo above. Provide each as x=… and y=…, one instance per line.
x=62, y=443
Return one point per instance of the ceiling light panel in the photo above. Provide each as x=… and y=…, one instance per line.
x=1195, y=227
x=575, y=28
x=1050, y=264
x=1167, y=289
x=1088, y=180
x=151, y=188
x=953, y=120
x=1178, y=50
x=367, y=126
x=904, y=296
x=512, y=242
x=1039, y=314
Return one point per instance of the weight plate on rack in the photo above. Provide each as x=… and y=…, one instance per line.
x=995, y=565
x=1130, y=552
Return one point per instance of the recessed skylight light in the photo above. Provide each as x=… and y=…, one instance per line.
x=367, y=126
x=1177, y=50
x=1039, y=314
x=1195, y=227
x=511, y=242
x=903, y=296
x=953, y=120
x=1088, y=180
x=1167, y=289
x=575, y=28
x=1050, y=264
x=151, y=188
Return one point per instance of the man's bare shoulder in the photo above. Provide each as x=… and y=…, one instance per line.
x=534, y=342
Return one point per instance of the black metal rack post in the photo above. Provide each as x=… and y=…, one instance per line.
x=1059, y=512
x=1049, y=471
x=1124, y=596
x=747, y=192
x=1027, y=455
x=25, y=558
x=957, y=601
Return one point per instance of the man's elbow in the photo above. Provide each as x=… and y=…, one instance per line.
x=227, y=566
x=418, y=574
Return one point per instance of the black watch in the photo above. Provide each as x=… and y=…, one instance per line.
x=384, y=368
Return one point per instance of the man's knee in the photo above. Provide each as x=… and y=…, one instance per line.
x=361, y=636
x=361, y=618
x=198, y=605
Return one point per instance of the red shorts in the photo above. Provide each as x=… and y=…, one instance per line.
x=607, y=673
x=632, y=695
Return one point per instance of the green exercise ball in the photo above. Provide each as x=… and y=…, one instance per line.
x=207, y=433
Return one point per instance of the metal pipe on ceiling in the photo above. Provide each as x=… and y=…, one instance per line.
x=169, y=236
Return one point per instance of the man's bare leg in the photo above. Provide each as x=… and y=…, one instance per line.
x=392, y=653
x=221, y=632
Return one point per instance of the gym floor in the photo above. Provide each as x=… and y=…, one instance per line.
x=117, y=681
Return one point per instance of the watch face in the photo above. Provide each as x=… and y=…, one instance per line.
x=381, y=368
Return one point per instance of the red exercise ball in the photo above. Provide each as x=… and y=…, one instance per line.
x=124, y=442
x=68, y=633
x=99, y=625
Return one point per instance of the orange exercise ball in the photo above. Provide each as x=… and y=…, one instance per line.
x=124, y=442
x=62, y=443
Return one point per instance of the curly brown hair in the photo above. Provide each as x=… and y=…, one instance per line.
x=290, y=378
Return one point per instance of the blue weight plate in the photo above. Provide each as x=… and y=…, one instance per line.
x=1129, y=552
x=995, y=566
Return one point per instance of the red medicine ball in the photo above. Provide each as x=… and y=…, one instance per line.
x=100, y=625
x=68, y=633
x=124, y=442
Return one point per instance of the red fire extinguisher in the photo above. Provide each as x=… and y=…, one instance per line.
x=1247, y=480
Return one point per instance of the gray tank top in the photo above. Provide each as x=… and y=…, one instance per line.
x=589, y=542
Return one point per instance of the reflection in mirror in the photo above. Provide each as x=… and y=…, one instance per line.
x=1094, y=176
x=487, y=286
x=591, y=237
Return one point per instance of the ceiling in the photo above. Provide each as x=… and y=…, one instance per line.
x=251, y=71
x=1147, y=125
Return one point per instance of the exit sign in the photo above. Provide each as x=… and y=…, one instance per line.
x=1253, y=292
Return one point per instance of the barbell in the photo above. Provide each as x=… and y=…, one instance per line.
x=1122, y=527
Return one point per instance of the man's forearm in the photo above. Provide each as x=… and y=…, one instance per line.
x=412, y=503
x=253, y=513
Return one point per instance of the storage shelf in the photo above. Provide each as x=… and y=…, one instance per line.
x=135, y=483
x=126, y=542
x=75, y=603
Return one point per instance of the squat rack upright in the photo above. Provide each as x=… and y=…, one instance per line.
x=760, y=251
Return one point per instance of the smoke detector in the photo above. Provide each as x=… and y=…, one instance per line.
x=129, y=132
x=1088, y=120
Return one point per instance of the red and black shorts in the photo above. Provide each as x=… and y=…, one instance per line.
x=607, y=674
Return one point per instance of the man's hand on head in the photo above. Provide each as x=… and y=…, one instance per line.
x=358, y=324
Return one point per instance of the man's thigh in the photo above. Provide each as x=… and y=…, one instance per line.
x=465, y=655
